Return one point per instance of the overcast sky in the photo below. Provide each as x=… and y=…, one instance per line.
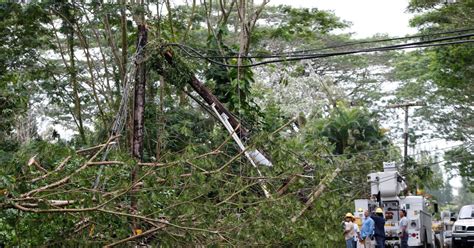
x=368, y=17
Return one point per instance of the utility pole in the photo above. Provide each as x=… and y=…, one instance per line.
x=239, y=133
x=405, y=107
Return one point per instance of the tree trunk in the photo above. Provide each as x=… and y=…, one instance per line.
x=138, y=116
x=244, y=31
x=123, y=27
x=117, y=78
x=247, y=24
x=161, y=120
x=75, y=86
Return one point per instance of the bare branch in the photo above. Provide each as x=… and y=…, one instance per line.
x=105, y=163
x=159, y=221
x=33, y=161
x=136, y=236
x=317, y=192
x=67, y=178
x=60, y=166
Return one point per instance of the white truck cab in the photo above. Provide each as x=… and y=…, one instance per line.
x=463, y=228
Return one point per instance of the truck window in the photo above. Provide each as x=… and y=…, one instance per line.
x=466, y=212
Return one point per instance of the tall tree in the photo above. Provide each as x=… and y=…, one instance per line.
x=441, y=76
x=23, y=33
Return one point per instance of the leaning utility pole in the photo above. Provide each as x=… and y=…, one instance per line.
x=237, y=131
x=405, y=106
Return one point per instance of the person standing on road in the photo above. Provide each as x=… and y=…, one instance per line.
x=356, y=234
x=403, y=225
x=367, y=231
x=349, y=230
x=379, y=232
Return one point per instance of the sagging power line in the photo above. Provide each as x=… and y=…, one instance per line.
x=443, y=41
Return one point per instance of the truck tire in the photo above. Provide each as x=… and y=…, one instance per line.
x=456, y=244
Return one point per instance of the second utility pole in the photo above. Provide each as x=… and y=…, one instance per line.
x=405, y=106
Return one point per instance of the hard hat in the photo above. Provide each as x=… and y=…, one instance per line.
x=349, y=215
x=360, y=210
x=378, y=211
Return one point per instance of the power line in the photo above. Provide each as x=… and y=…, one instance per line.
x=192, y=52
x=389, y=148
x=381, y=40
x=302, y=52
x=326, y=55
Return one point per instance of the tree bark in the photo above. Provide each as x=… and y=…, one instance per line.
x=244, y=30
x=75, y=86
x=161, y=120
x=247, y=24
x=138, y=114
x=123, y=27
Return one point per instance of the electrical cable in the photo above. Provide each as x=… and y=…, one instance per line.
x=379, y=40
x=301, y=54
x=420, y=44
x=326, y=55
x=346, y=44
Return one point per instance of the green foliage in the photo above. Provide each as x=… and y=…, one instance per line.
x=461, y=161
x=176, y=71
x=351, y=130
x=443, y=73
x=14, y=171
x=199, y=184
x=465, y=194
x=21, y=33
x=231, y=201
x=301, y=23
x=442, y=193
x=442, y=77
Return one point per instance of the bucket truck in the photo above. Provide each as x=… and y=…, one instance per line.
x=385, y=189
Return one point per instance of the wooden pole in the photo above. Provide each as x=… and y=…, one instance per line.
x=405, y=106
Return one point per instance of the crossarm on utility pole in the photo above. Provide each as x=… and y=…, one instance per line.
x=224, y=119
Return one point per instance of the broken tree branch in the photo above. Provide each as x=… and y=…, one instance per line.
x=33, y=161
x=67, y=178
x=91, y=149
x=317, y=192
x=54, y=203
x=135, y=236
x=105, y=163
x=60, y=166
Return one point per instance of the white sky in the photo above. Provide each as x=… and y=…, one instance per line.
x=368, y=17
